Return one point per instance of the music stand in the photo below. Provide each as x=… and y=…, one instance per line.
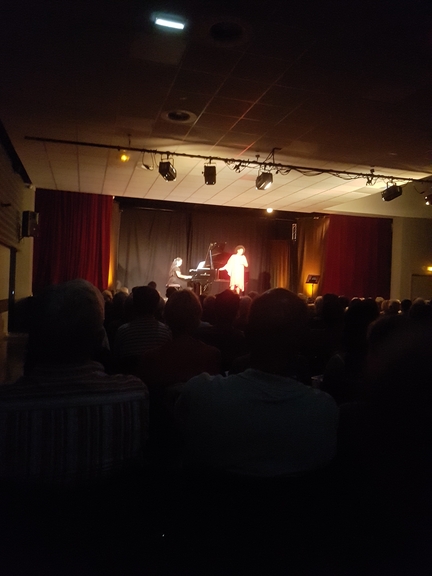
x=313, y=279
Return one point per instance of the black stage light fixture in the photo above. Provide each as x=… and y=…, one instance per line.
x=391, y=193
x=264, y=181
x=428, y=199
x=167, y=171
x=210, y=174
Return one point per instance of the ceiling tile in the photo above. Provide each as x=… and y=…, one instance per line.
x=282, y=39
x=170, y=129
x=164, y=49
x=250, y=127
x=260, y=68
x=206, y=136
x=211, y=59
x=242, y=89
x=198, y=82
x=228, y=107
x=237, y=139
x=285, y=97
x=216, y=121
x=265, y=113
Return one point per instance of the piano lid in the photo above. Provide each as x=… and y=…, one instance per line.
x=216, y=256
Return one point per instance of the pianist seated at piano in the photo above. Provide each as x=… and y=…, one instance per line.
x=175, y=275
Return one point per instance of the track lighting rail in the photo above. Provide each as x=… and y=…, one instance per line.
x=238, y=165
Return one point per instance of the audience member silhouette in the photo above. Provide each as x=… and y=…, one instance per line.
x=344, y=372
x=261, y=422
x=143, y=332
x=208, y=305
x=385, y=452
x=21, y=313
x=160, y=309
x=69, y=400
x=229, y=340
x=420, y=310
x=241, y=320
x=170, y=290
x=171, y=364
x=325, y=333
x=184, y=356
x=72, y=446
x=406, y=304
x=253, y=294
x=115, y=316
x=394, y=307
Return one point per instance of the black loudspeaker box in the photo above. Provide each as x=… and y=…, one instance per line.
x=30, y=223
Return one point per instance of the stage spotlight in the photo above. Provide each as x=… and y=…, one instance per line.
x=391, y=193
x=210, y=174
x=428, y=200
x=264, y=181
x=167, y=171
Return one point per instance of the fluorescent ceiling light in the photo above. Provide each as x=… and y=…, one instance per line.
x=169, y=23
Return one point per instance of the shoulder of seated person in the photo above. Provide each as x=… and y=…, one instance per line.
x=198, y=381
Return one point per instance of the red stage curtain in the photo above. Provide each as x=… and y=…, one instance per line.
x=74, y=238
x=358, y=257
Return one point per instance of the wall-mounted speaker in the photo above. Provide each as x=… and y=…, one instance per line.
x=30, y=223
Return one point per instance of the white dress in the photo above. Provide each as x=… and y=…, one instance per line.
x=235, y=268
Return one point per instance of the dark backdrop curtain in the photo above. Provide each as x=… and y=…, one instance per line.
x=234, y=229
x=280, y=264
x=74, y=238
x=150, y=239
x=358, y=257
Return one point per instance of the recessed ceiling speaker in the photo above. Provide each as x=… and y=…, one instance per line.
x=167, y=171
x=210, y=174
x=391, y=193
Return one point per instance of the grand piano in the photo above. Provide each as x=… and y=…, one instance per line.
x=207, y=272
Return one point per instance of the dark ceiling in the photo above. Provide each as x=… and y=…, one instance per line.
x=343, y=85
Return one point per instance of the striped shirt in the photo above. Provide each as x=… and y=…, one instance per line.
x=139, y=335
x=65, y=425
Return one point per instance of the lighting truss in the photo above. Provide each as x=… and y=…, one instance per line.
x=268, y=165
